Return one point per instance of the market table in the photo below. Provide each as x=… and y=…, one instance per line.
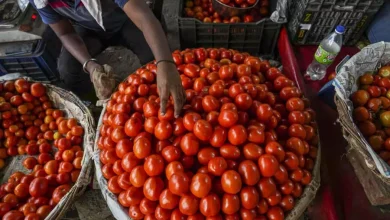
x=341, y=195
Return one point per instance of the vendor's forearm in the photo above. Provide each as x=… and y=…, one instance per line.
x=143, y=17
x=71, y=40
x=76, y=46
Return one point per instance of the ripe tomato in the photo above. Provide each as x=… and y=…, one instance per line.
x=60, y=192
x=38, y=187
x=133, y=126
x=275, y=213
x=163, y=130
x=189, y=144
x=123, y=147
x=249, y=172
x=226, y=72
x=30, y=162
x=154, y=165
x=153, y=187
x=142, y=148
x=188, y=205
x=210, y=205
x=237, y=135
x=189, y=120
x=37, y=89
x=249, y=197
x=200, y=185
x=179, y=184
x=13, y=215
x=268, y=165
x=231, y=182
x=167, y=200
x=129, y=161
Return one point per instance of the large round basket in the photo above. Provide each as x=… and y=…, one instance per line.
x=73, y=107
x=120, y=212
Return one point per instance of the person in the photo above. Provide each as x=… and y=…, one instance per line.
x=87, y=27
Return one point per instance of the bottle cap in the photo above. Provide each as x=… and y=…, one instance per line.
x=340, y=29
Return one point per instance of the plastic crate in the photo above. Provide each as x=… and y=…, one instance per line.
x=258, y=38
x=311, y=21
x=40, y=66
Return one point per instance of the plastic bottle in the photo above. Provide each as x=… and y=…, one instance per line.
x=325, y=54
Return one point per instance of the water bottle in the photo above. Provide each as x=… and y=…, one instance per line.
x=325, y=54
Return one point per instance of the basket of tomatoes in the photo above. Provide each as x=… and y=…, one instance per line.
x=47, y=135
x=363, y=102
x=245, y=145
x=204, y=23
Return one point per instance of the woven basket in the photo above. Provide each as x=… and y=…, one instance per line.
x=350, y=133
x=370, y=59
x=74, y=107
x=121, y=213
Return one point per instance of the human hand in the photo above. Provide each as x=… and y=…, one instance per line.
x=169, y=83
x=103, y=80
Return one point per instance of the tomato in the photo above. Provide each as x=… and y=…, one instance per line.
x=60, y=192
x=368, y=128
x=216, y=90
x=237, y=135
x=243, y=101
x=38, y=187
x=13, y=215
x=249, y=172
x=179, y=184
x=123, y=147
x=210, y=205
x=30, y=162
x=133, y=126
x=21, y=190
x=230, y=151
x=249, y=197
x=188, y=204
x=200, y=185
x=147, y=207
x=129, y=161
x=142, y=148
x=268, y=165
x=163, y=130
x=37, y=90
x=275, y=213
x=275, y=149
x=252, y=151
x=230, y=204
x=171, y=153
x=360, y=97
x=189, y=144
x=291, y=161
x=135, y=212
x=189, y=120
x=113, y=185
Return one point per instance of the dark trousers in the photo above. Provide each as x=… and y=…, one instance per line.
x=70, y=69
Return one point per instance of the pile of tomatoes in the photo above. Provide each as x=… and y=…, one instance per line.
x=203, y=10
x=243, y=148
x=372, y=110
x=30, y=126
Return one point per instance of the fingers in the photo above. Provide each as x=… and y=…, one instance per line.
x=178, y=96
x=164, y=96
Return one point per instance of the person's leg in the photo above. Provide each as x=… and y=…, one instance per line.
x=70, y=69
x=133, y=39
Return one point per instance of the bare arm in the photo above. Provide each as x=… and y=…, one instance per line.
x=142, y=16
x=73, y=42
x=168, y=78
